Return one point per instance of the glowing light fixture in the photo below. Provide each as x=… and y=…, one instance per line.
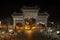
x=33, y=27
x=10, y=30
x=3, y=32
x=58, y=32
x=27, y=27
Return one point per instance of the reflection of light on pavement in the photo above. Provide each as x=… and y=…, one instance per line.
x=29, y=32
x=2, y=36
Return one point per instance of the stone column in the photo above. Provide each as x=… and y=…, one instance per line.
x=0, y=22
x=36, y=22
x=14, y=24
x=23, y=24
x=36, y=25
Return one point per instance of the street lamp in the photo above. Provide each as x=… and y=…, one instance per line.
x=58, y=32
x=52, y=22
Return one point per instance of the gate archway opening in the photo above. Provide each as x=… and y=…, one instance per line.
x=19, y=26
x=41, y=26
x=30, y=23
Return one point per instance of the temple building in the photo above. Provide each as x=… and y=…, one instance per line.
x=30, y=17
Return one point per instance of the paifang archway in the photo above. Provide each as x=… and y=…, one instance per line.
x=30, y=12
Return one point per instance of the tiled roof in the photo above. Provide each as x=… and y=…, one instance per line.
x=43, y=14
x=27, y=7
x=21, y=14
x=17, y=14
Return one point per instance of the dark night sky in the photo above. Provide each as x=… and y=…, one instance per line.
x=6, y=8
